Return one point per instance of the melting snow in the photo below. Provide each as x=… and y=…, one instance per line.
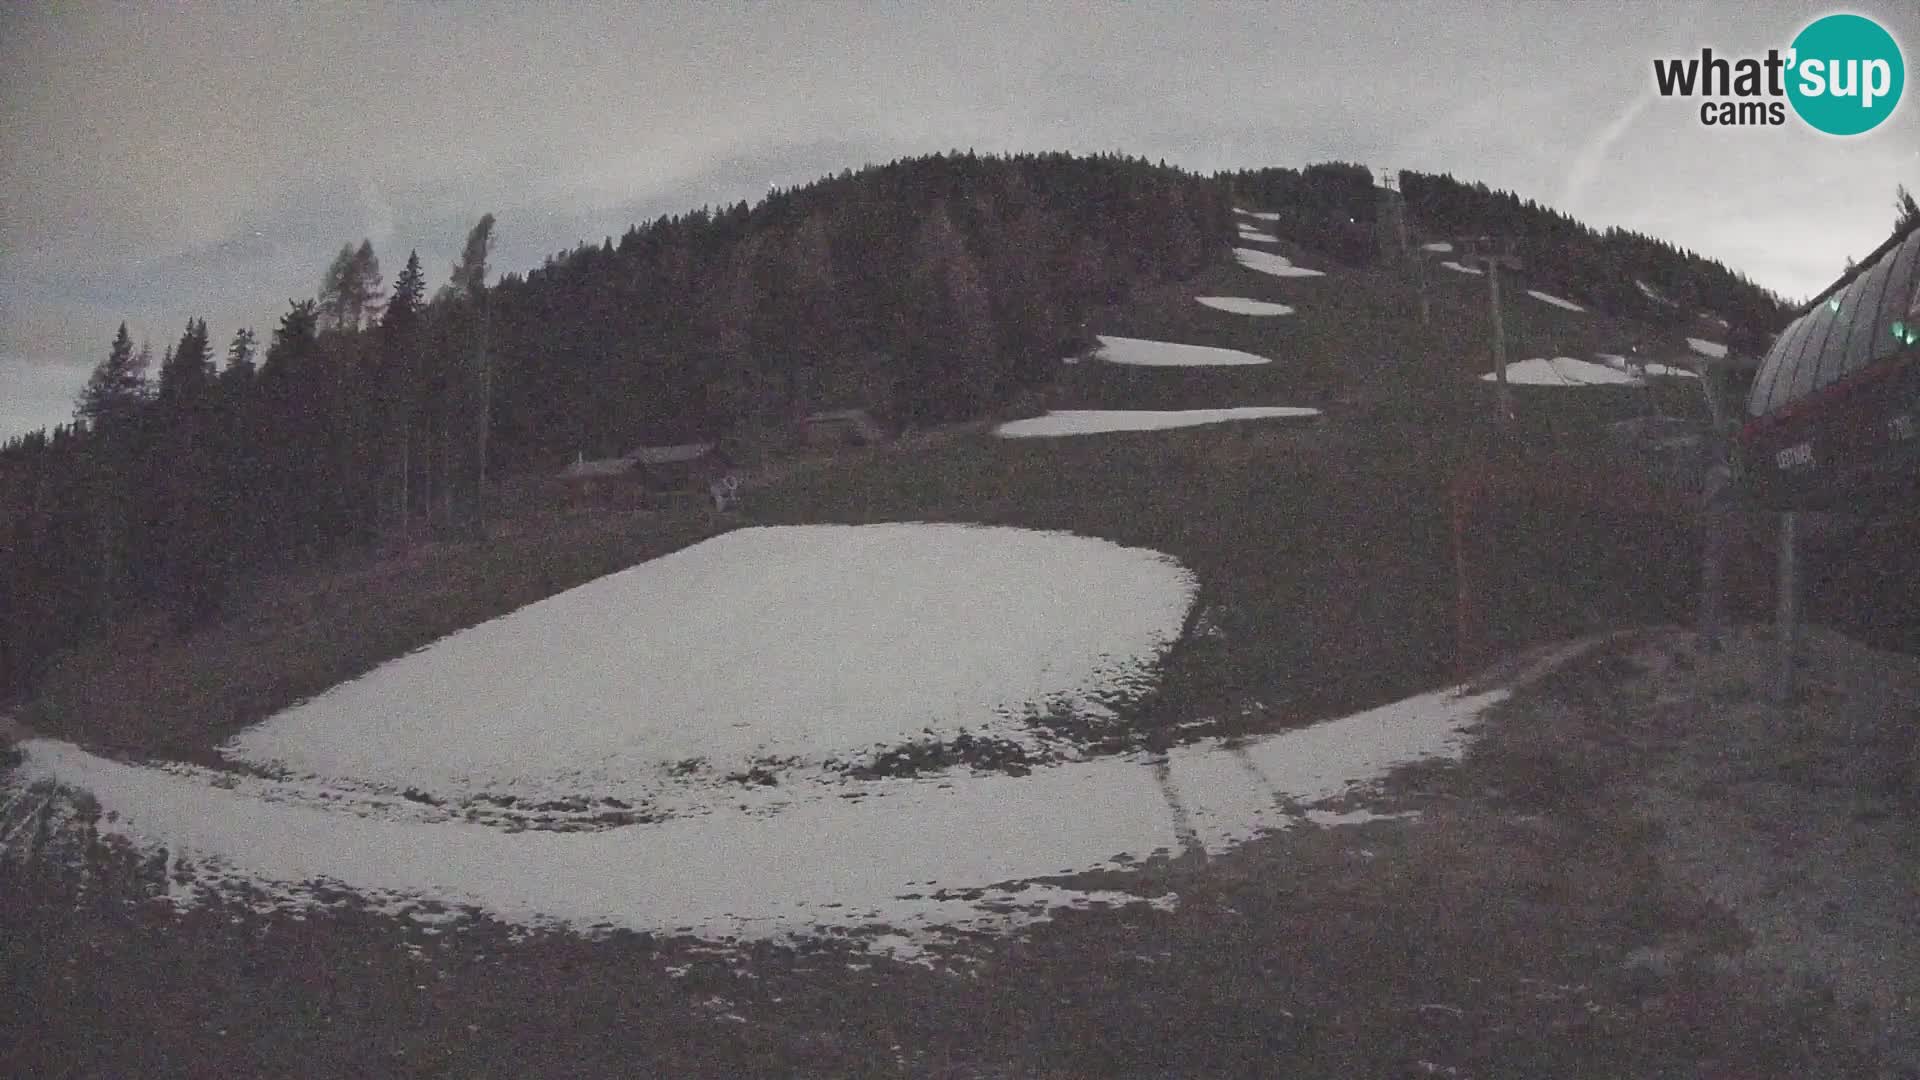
x=1257, y=236
x=1263, y=215
x=1652, y=293
x=1141, y=352
x=1621, y=363
x=1268, y=263
x=1437, y=245
x=1707, y=348
x=1093, y=421
x=1564, y=371
x=1451, y=265
x=1240, y=305
x=956, y=850
x=795, y=645
x=1548, y=298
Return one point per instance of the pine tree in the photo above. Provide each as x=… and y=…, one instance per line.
x=336, y=288
x=118, y=385
x=403, y=307
x=350, y=289
x=240, y=368
x=363, y=302
x=1906, y=207
x=470, y=272
x=399, y=327
x=188, y=369
x=468, y=284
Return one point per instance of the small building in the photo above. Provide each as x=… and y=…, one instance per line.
x=649, y=470
x=842, y=427
x=687, y=467
x=585, y=479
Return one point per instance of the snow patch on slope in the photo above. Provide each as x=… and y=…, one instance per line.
x=1563, y=371
x=1142, y=352
x=1268, y=263
x=1096, y=421
x=1240, y=305
x=1548, y=298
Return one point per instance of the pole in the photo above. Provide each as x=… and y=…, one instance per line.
x=1499, y=339
x=1464, y=651
x=486, y=412
x=1407, y=252
x=1718, y=520
x=1786, y=617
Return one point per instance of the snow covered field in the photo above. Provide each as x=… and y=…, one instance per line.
x=1241, y=305
x=894, y=857
x=1549, y=298
x=1141, y=352
x=1438, y=245
x=1707, y=348
x=786, y=647
x=1257, y=236
x=1268, y=263
x=779, y=647
x=1094, y=421
x=1564, y=371
x=1461, y=269
x=1262, y=215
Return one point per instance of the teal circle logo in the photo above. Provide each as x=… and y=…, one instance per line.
x=1846, y=74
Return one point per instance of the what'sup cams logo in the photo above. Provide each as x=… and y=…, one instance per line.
x=1843, y=75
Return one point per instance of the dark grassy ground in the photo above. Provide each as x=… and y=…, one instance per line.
x=1496, y=938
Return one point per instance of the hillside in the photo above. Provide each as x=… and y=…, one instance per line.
x=929, y=290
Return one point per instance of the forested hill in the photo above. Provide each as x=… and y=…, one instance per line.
x=929, y=289
x=1605, y=269
x=926, y=289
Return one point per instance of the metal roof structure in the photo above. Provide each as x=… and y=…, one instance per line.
x=1831, y=415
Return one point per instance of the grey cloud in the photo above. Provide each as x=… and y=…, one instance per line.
x=161, y=162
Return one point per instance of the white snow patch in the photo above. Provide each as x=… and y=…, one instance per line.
x=908, y=855
x=1652, y=293
x=1707, y=348
x=1549, y=298
x=1257, y=236
x=1621, y=363
x=1263, y=215
x=1458, y=268
x=1241, y=305
x=1094, y=421
x=795, y=645
x=1437, y=245
x=1268, y=263
x=1142, y=352
x=1564, y=371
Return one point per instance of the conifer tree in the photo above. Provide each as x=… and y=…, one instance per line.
x=188, y=369
x=118, y=385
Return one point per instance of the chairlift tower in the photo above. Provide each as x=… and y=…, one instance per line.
x=1393, y=218
x=1494, y=257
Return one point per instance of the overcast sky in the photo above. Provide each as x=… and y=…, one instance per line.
x=160, y=161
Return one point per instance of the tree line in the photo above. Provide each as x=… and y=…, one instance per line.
x=929, y=289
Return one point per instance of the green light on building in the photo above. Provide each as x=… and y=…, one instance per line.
x=1834, y=304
